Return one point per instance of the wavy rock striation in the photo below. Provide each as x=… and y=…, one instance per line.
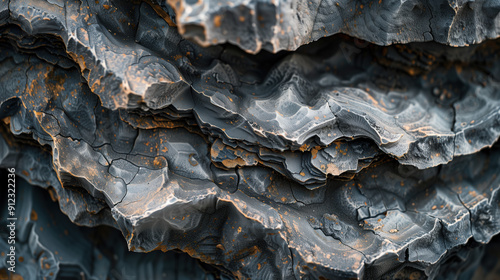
x=287, y=25
x=337, y=160
x=49, y=246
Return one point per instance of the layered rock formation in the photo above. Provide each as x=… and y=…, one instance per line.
x=287, y=25
x=338, y=159
x=50, y=246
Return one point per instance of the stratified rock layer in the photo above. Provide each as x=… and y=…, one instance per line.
x=48, y=245
x=339, y=160
x=286, y=25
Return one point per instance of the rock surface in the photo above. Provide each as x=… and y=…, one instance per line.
x=341, y=159
x=48, y=245
x=286, y=25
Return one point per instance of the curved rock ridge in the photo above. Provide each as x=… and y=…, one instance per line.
x=339, y=160
x=424, y=114
x=387, y=219
x=49, y=246
x=286, y=25
x=160, y=188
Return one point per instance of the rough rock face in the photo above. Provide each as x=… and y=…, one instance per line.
x=48, y=244
x=286, y=25
x=341, y=159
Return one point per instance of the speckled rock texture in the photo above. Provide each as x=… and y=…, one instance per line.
x=337, y=159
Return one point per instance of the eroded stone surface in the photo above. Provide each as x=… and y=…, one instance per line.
x=287, y=25
x=49, y=246
x=338, y=160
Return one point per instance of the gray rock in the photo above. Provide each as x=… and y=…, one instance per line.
x=286, y=25
x=338, y=160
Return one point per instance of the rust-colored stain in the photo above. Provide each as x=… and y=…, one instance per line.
x=34, y=215
x=217, y=20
